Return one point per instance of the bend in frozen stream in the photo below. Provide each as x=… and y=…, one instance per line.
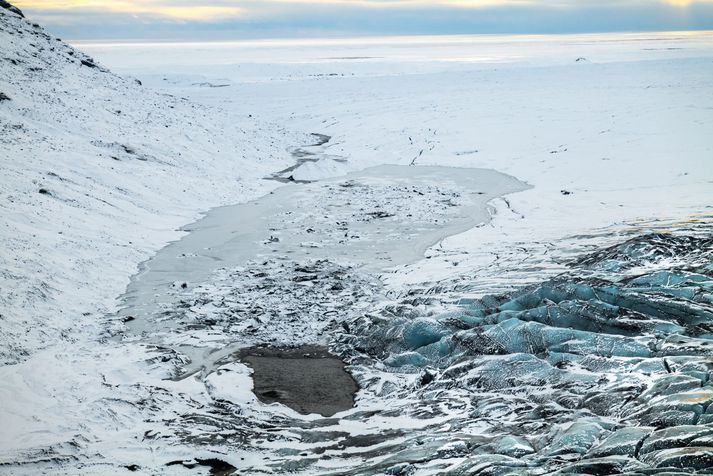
x=311, y=162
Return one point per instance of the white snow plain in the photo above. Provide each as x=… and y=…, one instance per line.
x=620, y=121
x=611, y=131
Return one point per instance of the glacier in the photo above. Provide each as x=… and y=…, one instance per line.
x=541, y=303
x=602, y=369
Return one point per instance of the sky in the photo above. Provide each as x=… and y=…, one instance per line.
x=236, y=19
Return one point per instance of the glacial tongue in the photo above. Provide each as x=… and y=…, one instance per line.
x=601, y=370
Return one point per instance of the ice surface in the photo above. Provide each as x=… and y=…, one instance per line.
x=595, y=396
x=377, y=219
x=511, y=367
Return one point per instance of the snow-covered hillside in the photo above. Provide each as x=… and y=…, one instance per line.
x=97, y=173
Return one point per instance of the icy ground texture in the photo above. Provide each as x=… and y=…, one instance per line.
x=378, y=218
x=278, y=301
x=603, y=370
x=627, y=134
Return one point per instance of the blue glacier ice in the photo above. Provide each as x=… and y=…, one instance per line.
x=604, y=369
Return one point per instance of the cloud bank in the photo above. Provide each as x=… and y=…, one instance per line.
x=225, y=19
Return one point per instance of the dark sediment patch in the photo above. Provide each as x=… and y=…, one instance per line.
x=307, y=379
x=217, y=467
x=321, y=139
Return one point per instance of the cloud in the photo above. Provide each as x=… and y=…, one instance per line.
x=176, y=10
x=225, y=19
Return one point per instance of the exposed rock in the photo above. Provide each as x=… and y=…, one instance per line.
x=12, y=8
x=217, y=466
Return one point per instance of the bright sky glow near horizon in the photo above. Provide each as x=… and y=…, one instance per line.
x=233, y=19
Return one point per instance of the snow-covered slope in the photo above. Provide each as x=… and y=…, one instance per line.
x=97, y=173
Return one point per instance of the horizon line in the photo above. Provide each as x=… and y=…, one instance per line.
x=347, y=39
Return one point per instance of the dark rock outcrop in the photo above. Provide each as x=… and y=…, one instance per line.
x=12, y=8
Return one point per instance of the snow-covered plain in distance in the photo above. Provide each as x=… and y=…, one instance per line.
x=611, y=133
x=610, y=129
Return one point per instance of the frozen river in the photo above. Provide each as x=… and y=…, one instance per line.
x=373, y=220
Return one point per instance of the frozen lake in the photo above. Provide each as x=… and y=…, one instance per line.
x=374, y=220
